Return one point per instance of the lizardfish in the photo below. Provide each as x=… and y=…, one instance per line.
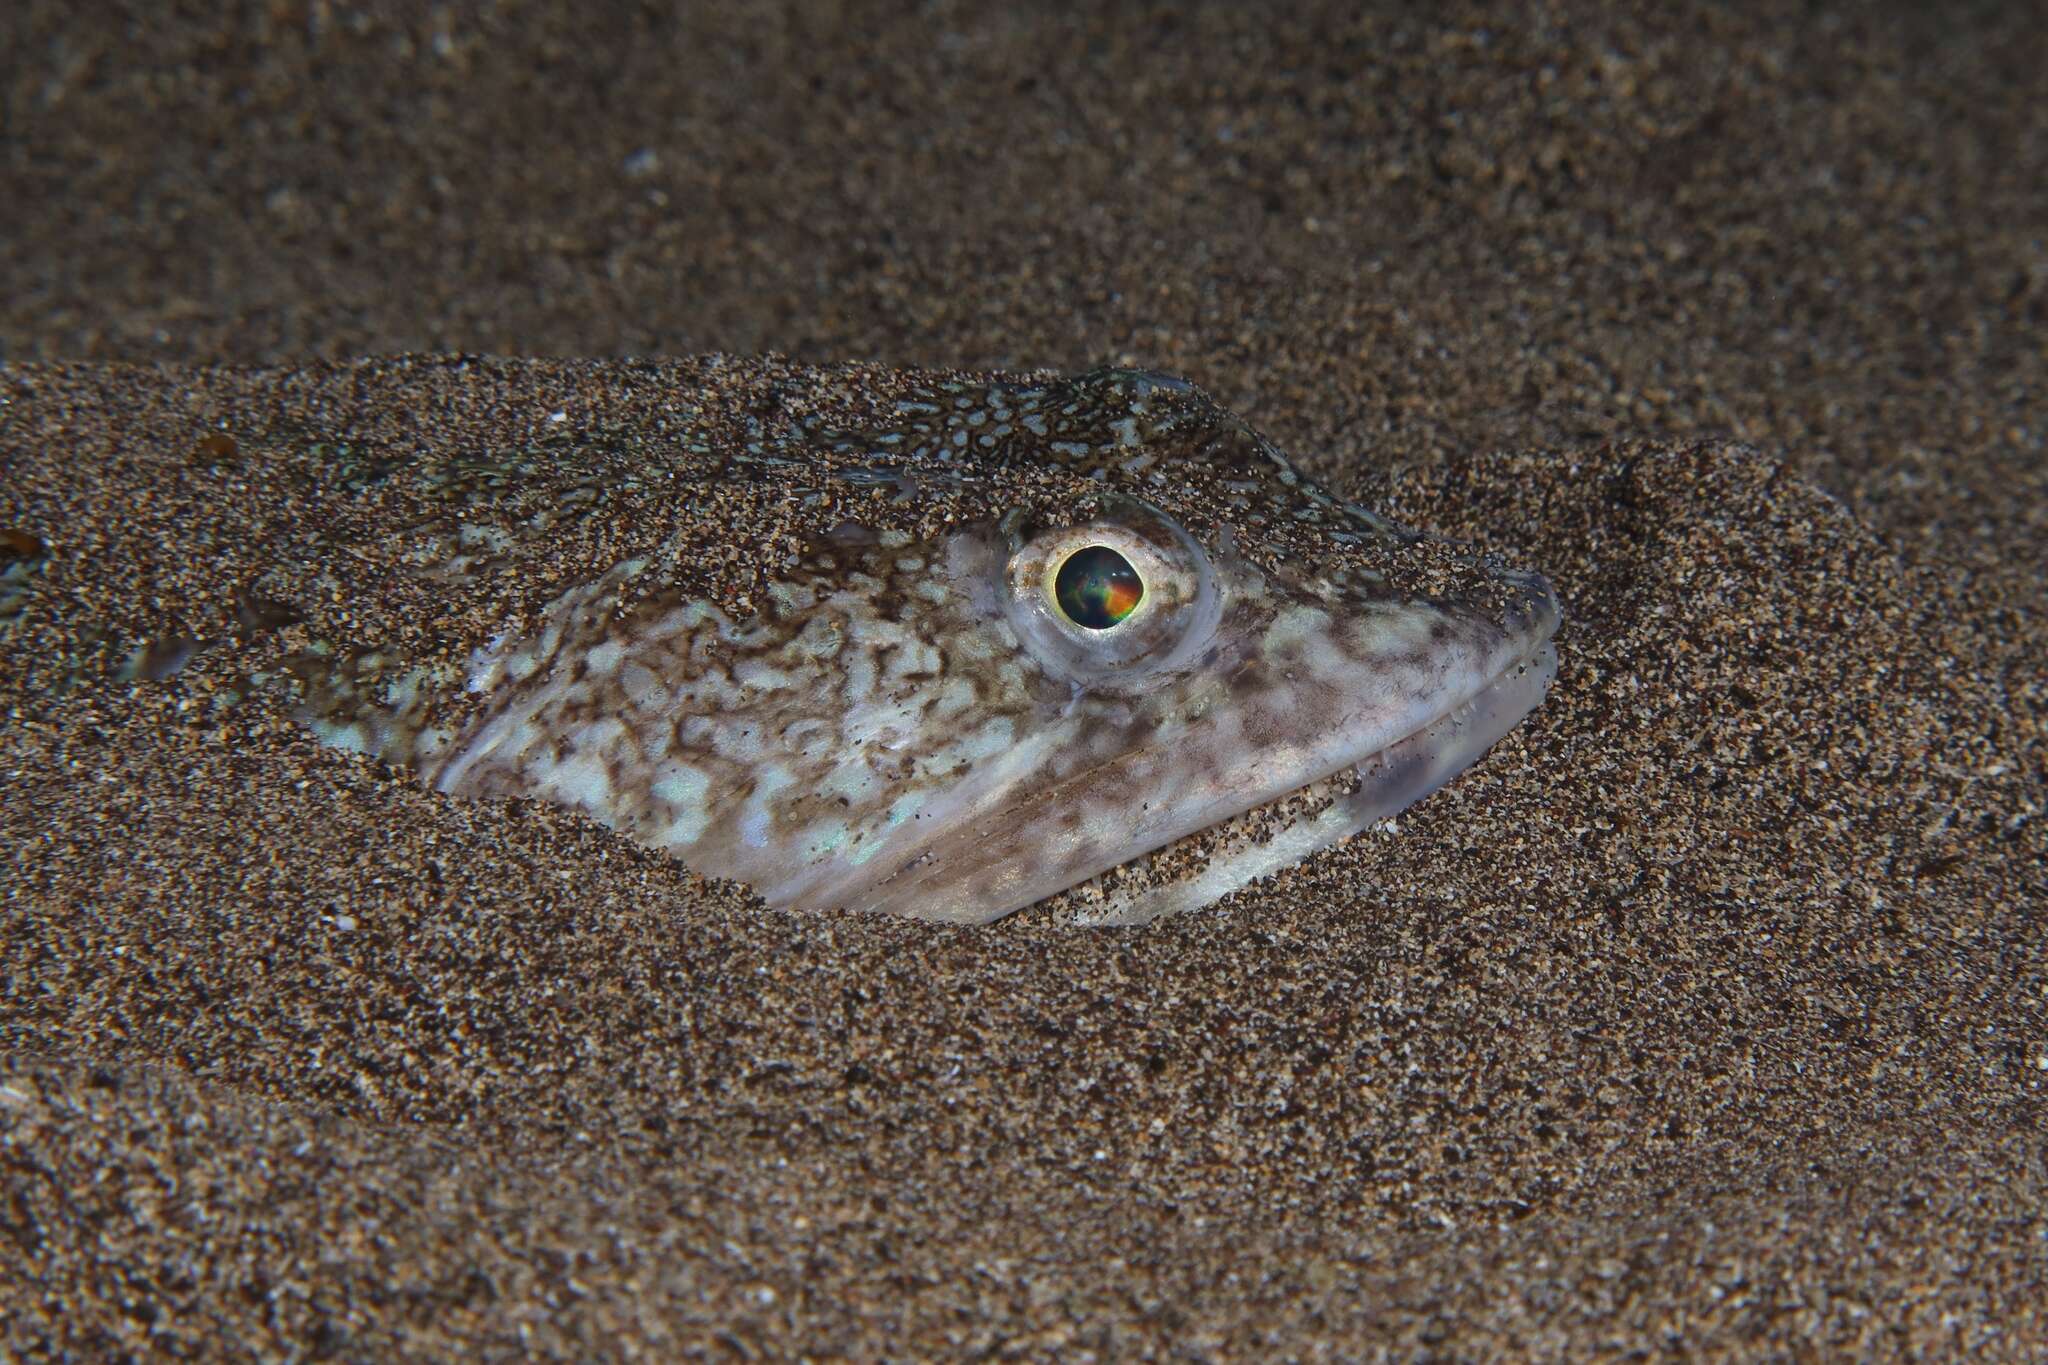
x=1148, y=664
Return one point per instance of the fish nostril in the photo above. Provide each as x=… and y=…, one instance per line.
x=1534, y=607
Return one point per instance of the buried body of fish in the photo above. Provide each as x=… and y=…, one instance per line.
x=1164, y=666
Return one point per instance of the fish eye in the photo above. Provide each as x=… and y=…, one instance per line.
x=1112, y=601
x=1097, y=588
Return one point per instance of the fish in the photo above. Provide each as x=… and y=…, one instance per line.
x=1091, y=639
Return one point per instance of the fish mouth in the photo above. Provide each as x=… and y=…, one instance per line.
x=1201, y=868
x=1105, y=872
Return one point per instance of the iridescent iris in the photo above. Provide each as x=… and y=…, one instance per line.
x=1097, y=587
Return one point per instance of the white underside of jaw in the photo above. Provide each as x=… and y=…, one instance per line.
x=1384, y=784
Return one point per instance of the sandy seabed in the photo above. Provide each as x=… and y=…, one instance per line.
x=1704, y=1015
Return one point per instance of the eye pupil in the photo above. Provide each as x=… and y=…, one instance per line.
x=1097, y=588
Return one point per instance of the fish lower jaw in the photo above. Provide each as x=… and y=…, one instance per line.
x=1277, y=834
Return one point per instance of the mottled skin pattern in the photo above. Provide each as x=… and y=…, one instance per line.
x=910, y=724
